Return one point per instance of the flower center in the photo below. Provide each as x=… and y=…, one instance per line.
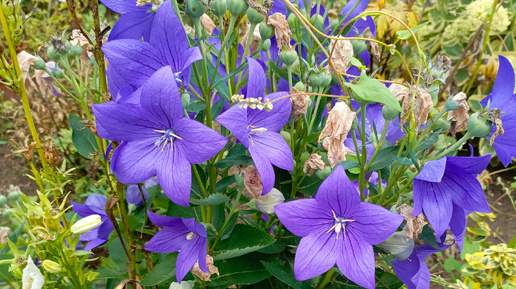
x=190, y=236
x=339, y=224
x=168, y=135
x=255, y=130
x=177, y=76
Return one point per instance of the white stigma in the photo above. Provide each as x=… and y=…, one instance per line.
x=253, y=130
x=190, y=236
x=340, y=224
x=168, y=135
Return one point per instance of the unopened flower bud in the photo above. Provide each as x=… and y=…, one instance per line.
x=288, y=57
x=315, y=80
x=398, y=246
x=13, y=195
x=218, y=7
x=266, y=45
x=442, y=125
x=76, y=51
x=266, y=31
x=40, y=64
x=3, y=200
x=58, y=73
x=359, y=46
x=479, y=126
x=51, y=266
x=389, y=113
x=85, y=225
x=53, y=54
x=254, y=16
x=182, y=285
x=237, y=7
x=266, y=203
x=195, y=8
x=292, y=21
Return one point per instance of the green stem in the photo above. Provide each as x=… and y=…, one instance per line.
x=455, y=146
x=232, y=23
x=314, y=114
x=231, y=213
x=327, y=277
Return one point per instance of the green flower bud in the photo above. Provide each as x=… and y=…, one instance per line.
x=218, y=7
x=359, y=46
x=293, y=22
x=288, y=57
x=3, y=200
x=266, y=45
x=315, y=80
x=195, y=8
x=479, y=126
x=304, y=157
x=40, y=64
x=6, y=214
x=334, y=24
x=236, y=7
x=442, y=124
x=286, y=136
x=326, y=79
x=86, y=224
x=323, y=174
x=389, y=113
x=51, y=266
x=300, y=86
x=53, y=54
x=266, y=31
x=76, y=51
x=58, y=73
x=13, y=195
x=254, y=16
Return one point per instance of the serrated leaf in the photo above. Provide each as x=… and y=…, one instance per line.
x=82, y=137
x=243, y=240
x=244, y=270
x=163, y=272
x=372, y=90
x=384, y=158
x=211, y=200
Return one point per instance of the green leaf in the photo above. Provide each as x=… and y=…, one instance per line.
x=195, y=106
x=405, y=34
x=452, y=265
x=280, y=271
x=428, y=235
x=163, y=272
x=428, y=142
x=82, y=137
x=384, y=158
x=211, y=200
x=512, y=243
x=403, y=160
x=244, y=239
x=237, y=155
x=244, y=270
x=372, y=90
x=354, y=61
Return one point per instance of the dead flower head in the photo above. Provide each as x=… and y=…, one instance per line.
x=313, y=163
x=4, y=234
x=341, y=50
x=460, y=116
x=253, y=183
x=79, y=39
x=26, y=60
x=299, y=103
x=281, y=30
x=338, y=124
x=207, y=23
x=196, y=270
x=25, y=149
x=414, y=225
x=399, y=91
x=422, y=106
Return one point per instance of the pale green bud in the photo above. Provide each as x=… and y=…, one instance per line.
x=85, y=225
x=51, y=266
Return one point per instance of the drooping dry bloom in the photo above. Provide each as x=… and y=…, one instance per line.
x=399, y=91
x=313, y=163
x=26, y=60
x=78, y=38
x=422, y=106
x=499, y=129
x=415, y=224
x=252, y=182
x=341, y=50
x=255, y=40
x=4, y=234
x=207, y=23
x=338, y=124
x=299, y=103
x=374, y=46
x=196, y=270
x=281, y=30
x=460, y=116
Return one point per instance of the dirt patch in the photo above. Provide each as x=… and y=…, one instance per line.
x=13, y=170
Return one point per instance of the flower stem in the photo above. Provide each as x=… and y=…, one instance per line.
x=455, y=146
x=231, y=213
x=326, y=279
x=232, y=23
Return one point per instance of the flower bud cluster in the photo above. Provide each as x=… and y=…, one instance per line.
x=253, y=103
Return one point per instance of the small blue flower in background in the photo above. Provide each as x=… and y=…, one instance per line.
x=156, y=138
x=183, y=235
x=94, y=205
x=258, y=129
x=135, y=22
x=336, y=227
x=503, y=98
x=133, y=194
x=446, y=190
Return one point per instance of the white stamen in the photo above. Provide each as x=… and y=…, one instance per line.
x=190, y=236
x=340, y=224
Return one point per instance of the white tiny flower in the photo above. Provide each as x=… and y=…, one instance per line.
x=182, y=285
x=32, y=277
x=266, y=203
x=85, y=225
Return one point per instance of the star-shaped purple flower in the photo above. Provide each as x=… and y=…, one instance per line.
x=183, y=235
x=94, y=205
x=413, y=271
x=135, y=22
x=258, y=129
x=446, y=190
x=503, y=98
x=337, y=228
x=156, y=138
x=135, y=61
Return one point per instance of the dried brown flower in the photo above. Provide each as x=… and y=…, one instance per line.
x=374, y=46
x=422, y=106
x=299, y=103
x=338, y=124
x=414, y=225
x=253, y=183
x=26, y=60
x=281, y=30
x=4, y=235
x=499, y=129
x=313, y=163
x=196, y=270
x=25, y=149
x=339, y=58
x=460, y=116
x=207, y=23
x=79, y=39
x=399, y=91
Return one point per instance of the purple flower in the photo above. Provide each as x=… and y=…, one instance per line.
x=446, y=190
x=503, y=98
x=337, y=228
x=183, y=235
x=135, y=22
x=413, y=271
x=135, y=61
x=156, y=138
x=258, y=129
x=94, y=205
x=134, y=196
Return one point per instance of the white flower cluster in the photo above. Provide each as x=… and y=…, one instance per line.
x=251, y=102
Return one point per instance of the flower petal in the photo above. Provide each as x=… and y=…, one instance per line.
x=316, y=254
x=338, y=193
x=82, y=210
x=433, y=171
x=122, y=6
x=274, y=146
x=503, y=88
x=302, y=217
x=256, y=79
x=356, y=260
x=466, y=191
x=133, y=25
x=135, y=162
x=188, y=255
x=175, y=175
x=200, y=143
x=94, y=244
x=458, y=225
x=96, y=202
x=168, y=239
x=436, y=203
x=467, y=165
x=374, y=224
x=235, y=119
x=264, y=167
x=504, y=144
x=275, y=119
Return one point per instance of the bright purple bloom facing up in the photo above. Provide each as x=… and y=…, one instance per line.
x=135, y=61
x=337, y=228
x=413, y=271
x=446, y=190
x=94, y=205
x=156, y=138
x=503, y=98
x=258, y=129
x=183, y=235
x=135, y=22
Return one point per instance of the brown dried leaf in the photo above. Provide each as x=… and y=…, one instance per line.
x=422, y=106
x=26, y=60
x=414, y=225
x=299, y=103
x=253, y=183
x=196, y=270
x=78, y=38
x=207, y=23
x=313, y=162
x=4, y=235
x=499, y=129
x=339, y=58
x=338, y=124
x=399, y=91
x=460, y=116
x=281, y=30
